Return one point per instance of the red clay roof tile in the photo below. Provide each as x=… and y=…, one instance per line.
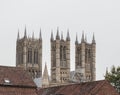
x=15, y=76
x=87, y=88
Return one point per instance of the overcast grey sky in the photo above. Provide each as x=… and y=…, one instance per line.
x=101, y=17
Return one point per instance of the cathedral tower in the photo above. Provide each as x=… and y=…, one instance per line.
x=60, y=59
x=85, y=54
x=29, y=54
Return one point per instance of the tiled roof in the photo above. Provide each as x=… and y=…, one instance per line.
x=8, y=90
x=87, y=88
x=15, y=76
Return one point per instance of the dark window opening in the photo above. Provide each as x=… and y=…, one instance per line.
x=36, y=56
x=20, y=58
x=29, y=55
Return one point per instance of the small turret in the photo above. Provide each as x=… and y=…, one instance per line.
x=68, y=36
x=82, y=40
x=93, y=40
x=76, y=42
x=57, y=36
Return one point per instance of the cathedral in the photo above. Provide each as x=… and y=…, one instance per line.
x=29, y=57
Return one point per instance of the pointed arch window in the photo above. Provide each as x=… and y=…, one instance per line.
x=29, y=55
x=89, y=53
x=61, y=52
x=20, y=58
x=86, y=55
x=36, y=56
x=61, y=56
x=79, y=56
x=64, y=53
x=54, y=56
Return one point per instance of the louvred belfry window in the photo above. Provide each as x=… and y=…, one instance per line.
x=20, y=58
x=29, y=55
x=36, y=56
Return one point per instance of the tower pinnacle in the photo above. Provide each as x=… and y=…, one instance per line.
x=25, y=34
x=68, y=36
x=18, y=35
x=76, y=42
x=52, y=38
x=85, y=38
x=62, y=36
x=57, y=36
x=82, y=40
x=93, y=40
x=33, y=35
x=40, y=36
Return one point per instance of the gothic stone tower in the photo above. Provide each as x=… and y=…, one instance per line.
x=85, y=54
x=29, y=54
x=60, y=59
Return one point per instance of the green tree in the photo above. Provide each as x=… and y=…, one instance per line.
x=114, y=77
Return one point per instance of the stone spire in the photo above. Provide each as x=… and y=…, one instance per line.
x=82, y=40
x=45, y=73
x=68, y=36
x=45, y=79
x=76, y=42
x=52, y=38
x=40, y=35
x=18, y=37
x=86, y=38
x=25, y=34
x=33, y=35
x=93, y=40
x=57, y=36
x=62, y=36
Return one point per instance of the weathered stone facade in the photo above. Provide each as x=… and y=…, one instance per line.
x=29, y=54
x=60, y=59
x=85, y=54
x=29, y=57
